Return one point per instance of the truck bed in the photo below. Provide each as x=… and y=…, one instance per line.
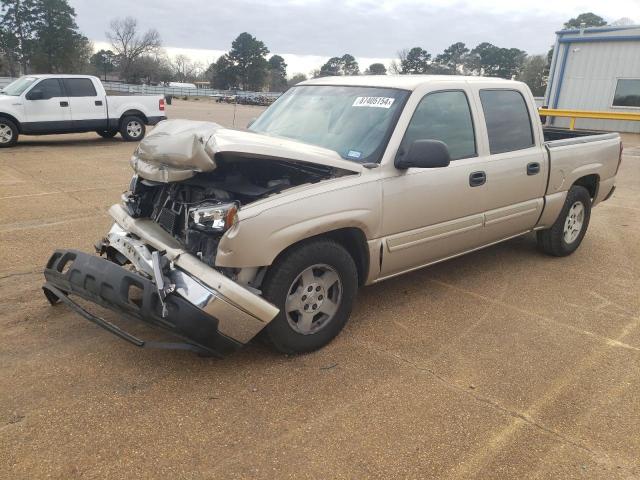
x=552, y=134
x=572, y=152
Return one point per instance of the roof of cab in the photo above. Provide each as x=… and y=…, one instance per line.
x=405, y=82
x=61, y=75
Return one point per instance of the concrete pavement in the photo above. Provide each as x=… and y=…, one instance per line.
x=504, y=363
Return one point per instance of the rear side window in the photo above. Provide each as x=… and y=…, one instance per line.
x=444, y=116
x=50, y=88
x=508, y=122
x=79, y=87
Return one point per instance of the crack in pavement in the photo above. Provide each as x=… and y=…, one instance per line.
x=12, y=227
x=20, y=274
x=600, y=457
x=59, y=192
x=604, y=339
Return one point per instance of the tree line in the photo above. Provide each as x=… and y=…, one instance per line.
x=41, y=36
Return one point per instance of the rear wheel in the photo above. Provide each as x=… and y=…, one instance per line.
x=107, y=133
x=8, y=133
x=132, y=129
x=313, y=285
x=566, y=234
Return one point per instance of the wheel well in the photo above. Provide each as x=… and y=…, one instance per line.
x=13, y=119
x=353, y=240
x=136, y=113
x=591, y=183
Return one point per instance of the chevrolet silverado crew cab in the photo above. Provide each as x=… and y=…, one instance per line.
x=342, y=182
x=49, y=104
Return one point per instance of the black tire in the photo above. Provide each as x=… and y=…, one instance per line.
x=8, y=133
x=553, y=241
x=132, y=128
x=278, y=285
x=107, y=133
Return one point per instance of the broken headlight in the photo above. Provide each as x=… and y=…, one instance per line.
x=218, y=217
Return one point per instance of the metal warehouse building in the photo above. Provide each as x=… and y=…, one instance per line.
x=596, y=69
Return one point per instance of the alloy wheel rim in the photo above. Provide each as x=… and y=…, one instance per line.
x=573, y=223
x=6, y=134
x=134, y=129
x=313, y=299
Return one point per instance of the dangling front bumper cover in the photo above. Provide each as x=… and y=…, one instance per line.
x=208, y=311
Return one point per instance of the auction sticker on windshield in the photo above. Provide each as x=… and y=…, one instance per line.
x=379, y=102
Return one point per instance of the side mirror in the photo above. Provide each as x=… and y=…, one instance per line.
x=35, y=94
x=424, y=154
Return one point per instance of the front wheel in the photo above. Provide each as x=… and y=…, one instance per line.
x=132, y=129
x=566, y=234
x=8, y=133
x=314, y=286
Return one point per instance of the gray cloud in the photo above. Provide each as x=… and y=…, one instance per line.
x=364, y=29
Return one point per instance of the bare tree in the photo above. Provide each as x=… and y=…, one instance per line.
x=395, y=68
x=396, y=65
x=184, y=69
x=129, y=45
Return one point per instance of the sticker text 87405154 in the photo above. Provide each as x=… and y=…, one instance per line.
x=378, y=102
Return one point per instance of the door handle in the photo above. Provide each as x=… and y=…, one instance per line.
x=98, y=103
x=64, y=104
x=477, y=178
x=533, y=168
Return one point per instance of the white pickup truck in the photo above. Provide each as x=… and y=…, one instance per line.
x=52, y=104
x=342, y=182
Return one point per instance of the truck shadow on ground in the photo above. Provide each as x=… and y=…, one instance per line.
x=65, y=142
x=373, y=301
x=370, y=314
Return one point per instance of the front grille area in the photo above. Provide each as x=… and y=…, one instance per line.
x=168, y=220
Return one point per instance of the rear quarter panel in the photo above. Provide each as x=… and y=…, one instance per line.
x=575, y=160
x=149, y=105
x=571, y=161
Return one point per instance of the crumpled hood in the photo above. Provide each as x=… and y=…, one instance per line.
x=178, y=149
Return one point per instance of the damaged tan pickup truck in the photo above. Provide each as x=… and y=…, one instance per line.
x=342, y=182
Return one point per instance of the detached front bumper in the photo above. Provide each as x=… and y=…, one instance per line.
x=206, y=310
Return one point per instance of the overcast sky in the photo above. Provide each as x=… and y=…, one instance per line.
x=307, y=32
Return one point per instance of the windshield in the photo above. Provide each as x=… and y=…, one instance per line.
x=355, y=122
x=16, y=88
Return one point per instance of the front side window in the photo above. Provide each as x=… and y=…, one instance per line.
x=17, y=87
x=508, y=122
x=79, y=87
x=46, y=89
x=443, y=116
x=355, y=122
x=627, y=93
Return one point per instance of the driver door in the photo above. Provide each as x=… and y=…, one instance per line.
x=433, y=213
x=46, y=108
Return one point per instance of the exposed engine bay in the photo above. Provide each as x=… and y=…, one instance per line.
x=197, y=211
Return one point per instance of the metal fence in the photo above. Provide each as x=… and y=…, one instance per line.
x=181, y=92
x=162, y=90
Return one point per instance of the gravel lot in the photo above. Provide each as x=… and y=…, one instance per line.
x=504, y=363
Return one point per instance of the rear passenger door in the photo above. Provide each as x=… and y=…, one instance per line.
x=516, y=167
x=88, y=110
